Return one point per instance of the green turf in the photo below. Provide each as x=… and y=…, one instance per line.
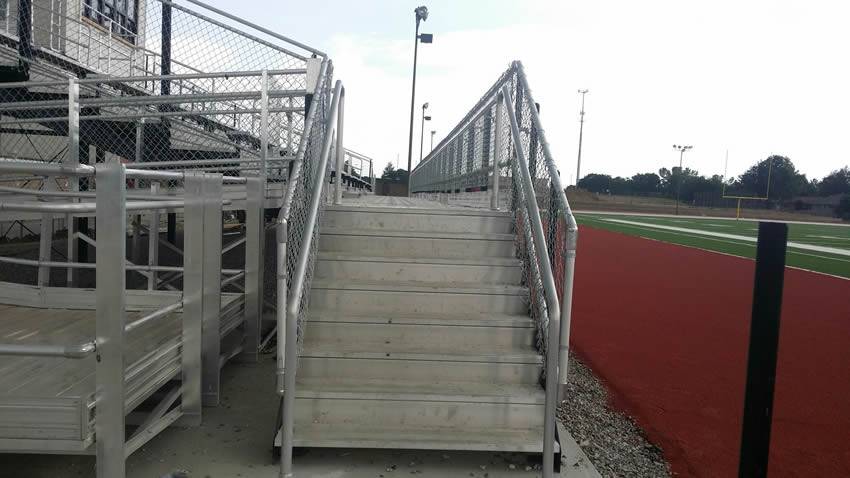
x=827, y=235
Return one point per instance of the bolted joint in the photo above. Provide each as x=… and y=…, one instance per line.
x=281, y=388
x=282, y=231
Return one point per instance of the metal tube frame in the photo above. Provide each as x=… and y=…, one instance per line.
x=298, y=283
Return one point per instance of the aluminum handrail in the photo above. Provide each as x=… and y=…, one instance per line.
x=79, y=351
x=548, y=279
x=60, y=169
x=288, y=345
x=157, y=314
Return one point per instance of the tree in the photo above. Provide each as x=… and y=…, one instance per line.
x=785, y=180
x=837, y=182
x=646, y=183
x=843, y=208
x=595, y=183
x=393, y=174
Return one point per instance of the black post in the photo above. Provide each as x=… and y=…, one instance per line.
x=25, y=30
x=764, y=344
x=412, y=106
x=165, y=90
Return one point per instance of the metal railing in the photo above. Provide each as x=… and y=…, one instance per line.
x=201, y=289
x=497, y=156
x=293, y=295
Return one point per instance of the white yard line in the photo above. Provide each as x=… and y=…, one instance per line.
x=719, y=218
x=795, y=245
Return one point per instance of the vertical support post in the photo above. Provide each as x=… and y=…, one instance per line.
x=165, y=90
x=110, y=320
x=45, y=240
x=497, y=150
x=567, y=302
x=254, y=254
x=193, y=299
x=763, y=350
x=264, y=124
x=340, y=153
x=25, y=34
x=73, y=161
x=153, y=239
x=211, y=368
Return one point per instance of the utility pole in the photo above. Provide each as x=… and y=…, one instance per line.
x=422, y=133
x=681, y=149
x=421, y=15
x=580, y=134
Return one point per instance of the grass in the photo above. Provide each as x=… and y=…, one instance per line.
x=697, y=234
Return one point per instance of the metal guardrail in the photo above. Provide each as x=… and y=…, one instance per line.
x=499, y=150
x=291, y=304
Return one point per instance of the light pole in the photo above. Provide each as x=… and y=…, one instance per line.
x=433, y=132
x=580, y=134
x=681, y=149
x=422, y=133
x=421, y=15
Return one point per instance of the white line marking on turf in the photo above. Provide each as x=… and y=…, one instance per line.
x=796, y=245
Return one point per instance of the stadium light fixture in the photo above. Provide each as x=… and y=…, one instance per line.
x=681, y=149
x=422, y=133
x=421, y=14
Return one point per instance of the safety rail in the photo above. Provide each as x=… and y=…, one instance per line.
x=360, y=172
x=297, y=225
x=246, y=128
x=200, y=302
x=498, y=157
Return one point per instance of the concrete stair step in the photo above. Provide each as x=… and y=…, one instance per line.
x=486, y=270
x=417, y=298
x=459, y=336
x=349, y=365
x=431, y=351
x=410, y=219
x=420, y=438
x=366, y=410
x=458, y=318
x=438, y=244
x=410, y=390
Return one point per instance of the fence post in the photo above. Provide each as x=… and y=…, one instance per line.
x=763, y=349
x=73, y=161
x=110, y=319
x=153, y=240
x=193, y=295
x=45, y=239
x=264, y=124
x=340, y=154
x=497, y=147
x=254, y=254
x=212, y=194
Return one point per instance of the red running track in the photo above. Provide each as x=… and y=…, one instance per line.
x=666, y=327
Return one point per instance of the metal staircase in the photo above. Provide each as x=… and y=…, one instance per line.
x=419, y=335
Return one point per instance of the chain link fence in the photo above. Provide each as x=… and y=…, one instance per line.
x=460, y=170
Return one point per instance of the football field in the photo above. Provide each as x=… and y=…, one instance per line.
x=816, y=247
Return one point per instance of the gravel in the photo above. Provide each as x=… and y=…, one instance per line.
x=612, y=440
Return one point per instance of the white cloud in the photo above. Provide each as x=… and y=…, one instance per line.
x=754, y=77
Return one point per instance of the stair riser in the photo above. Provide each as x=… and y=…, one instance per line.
x=441, y=273
x=416, y=222
x=418, y=370
x=366, y=301
x=384, y=246
x=450, y=336
x=406, y=414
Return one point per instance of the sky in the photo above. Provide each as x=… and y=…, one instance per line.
x=753, y=77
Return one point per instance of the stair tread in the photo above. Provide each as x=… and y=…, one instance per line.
x=421, y=351
x=464, y=261
x=382, y=389
x=527, y=440
x=463, y=319
x=428, y=211
x=487, y=236
x=417, y=286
